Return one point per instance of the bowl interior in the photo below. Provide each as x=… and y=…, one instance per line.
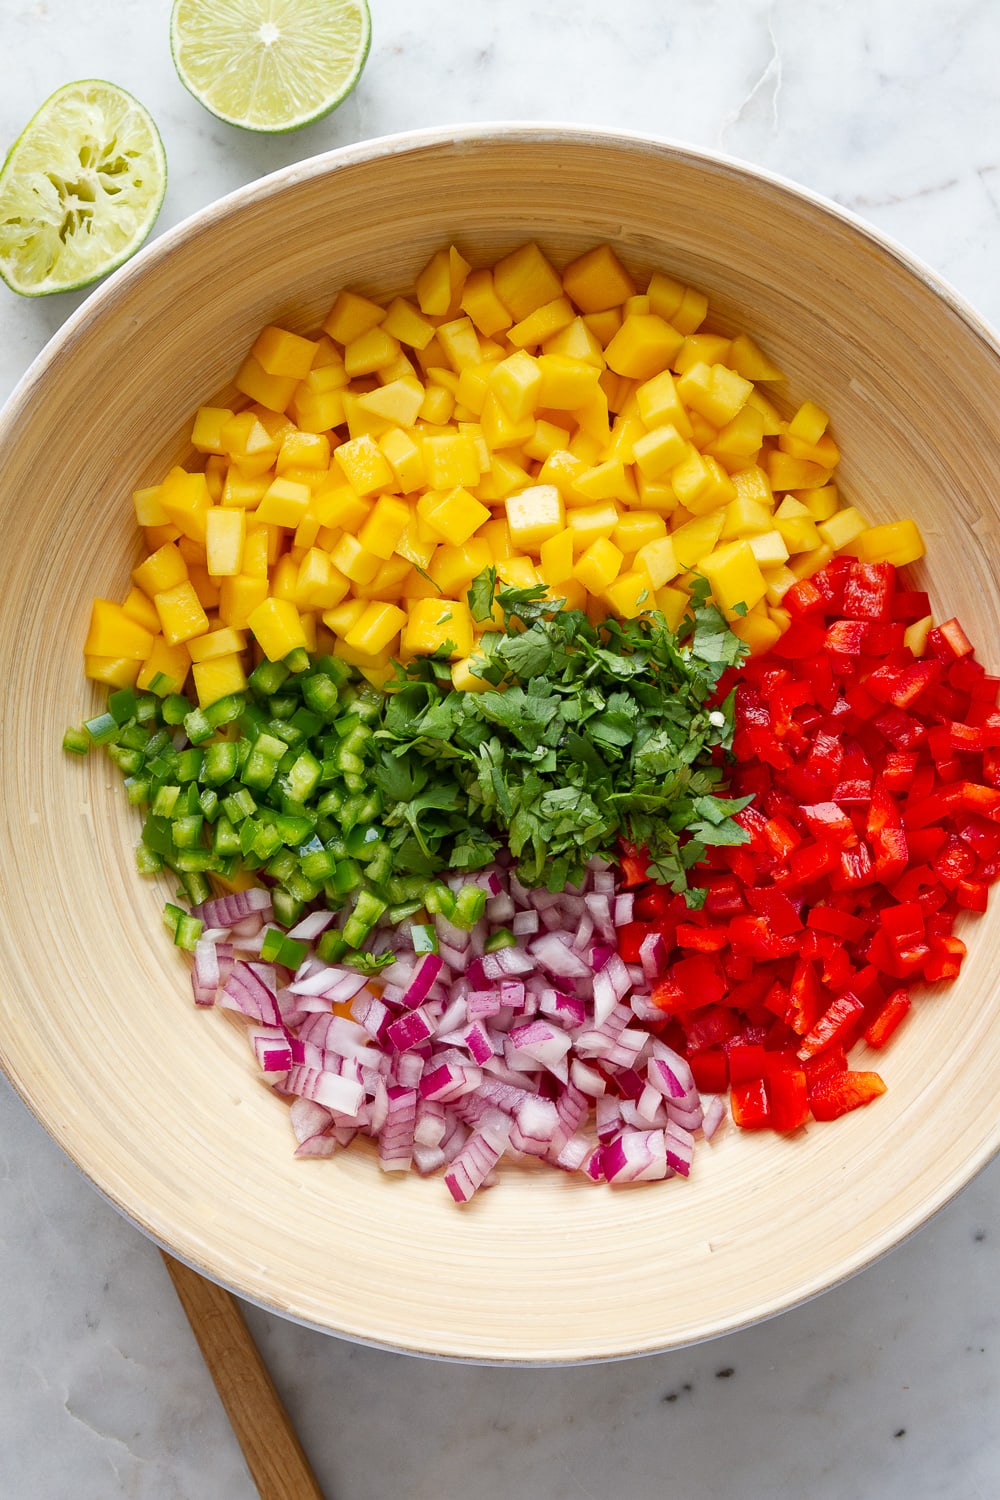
x=158, y=1103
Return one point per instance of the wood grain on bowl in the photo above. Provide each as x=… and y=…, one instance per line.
x=159, y=1104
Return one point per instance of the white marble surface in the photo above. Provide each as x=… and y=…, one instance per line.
x=887, y=1386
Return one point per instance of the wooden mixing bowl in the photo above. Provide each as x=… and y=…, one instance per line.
x=159, y=1103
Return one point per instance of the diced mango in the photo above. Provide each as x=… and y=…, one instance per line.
x=271, y=391
x=277, y=628
x=113, y=633
x=376, y=628
x=219, y=677
x=434, y=623
x=658, y=559
x=643, y=346
x=749, y=360
x=225, y=534
x=363, y=465
x=186, y=501
x=238, y=597
x=659, y=451
x=407, y=324
x=384, y=525
x=351, y=316
x=898, y=542
x=440, y=284
x=162, y=569
x=171, y=663
x=280, y=352
x=598, y=567
x=353, y=560
x=597, y=280
x=524, y=280
x=734, y=576
x=534, y=515
x=181, y=613
x=481, y=303
x=454, y=515
x=517, y=382
x=631, y=593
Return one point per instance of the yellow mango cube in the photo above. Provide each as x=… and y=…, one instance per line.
x=161, y=570
x=385, y=524
x=534, y=515
x=898, y=542
x=714, y=391
x=788, y=473
x=222, y=641
x=238, y=597
x=658, y=560
x=517, y=382
x=681, y=305
x=181, y=613
x=280, y=352
x=577, y=341
x=454, y=567
x=318, y=583
x=588, y=523
x=340, y=507
x=148, y=510
x=271, y=391
x=597, y=280
x=542, y=323
x=351, y=316
x=631, y=594
x=353, y=560
x=460, y=342
x=407, y=324
x=376, y=628
x=369, y=352
x=643, y=346
x=599, y=565
x=518, y=572
x=746, y=517
x=114, y=672
x=206, y=432
x=389, y=582
x=659, y=451
x=434, y=623
x=363, y=465
x=749, y=360
x=658, y=404
x=284, y=580
x=808, y=563
x=753, y=484
x=673, y=604
x=440, y=284
x=453, y=515
x=186, y=500
x=694, y=539
x=524, y=280
x=915, y=635
x=796, y=525
x=769, y=548
x=303, y=450
x=450, y=459
x=566, y=383
x=821, y=504
x=405, y=457
x=343, y=616
x=225, y=534
x=480, y=302
x=556, y=555
x=464, y=679
x=758, y=631
x=218, y=678
x=636, y=528
x=739, y=439
x=244, y=491
x=702, y=349
x=140, y=607
x=734, y=576
x=284, y=503
x=170, y=662
x=277, y=628
x=843, y=527
x=115, y=634
x=610, y=480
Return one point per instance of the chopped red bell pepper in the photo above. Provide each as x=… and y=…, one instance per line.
x=836, y=1094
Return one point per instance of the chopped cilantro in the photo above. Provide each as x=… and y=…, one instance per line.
x=587, y=735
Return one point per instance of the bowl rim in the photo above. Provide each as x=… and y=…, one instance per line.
x=469, y=136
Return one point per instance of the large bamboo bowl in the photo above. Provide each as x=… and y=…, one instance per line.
x=157, y=1103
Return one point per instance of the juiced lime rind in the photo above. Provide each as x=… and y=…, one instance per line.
x=80, y=189
x=222, y=59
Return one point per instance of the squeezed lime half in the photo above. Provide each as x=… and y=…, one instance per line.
x=80, y=189
x=270, y=65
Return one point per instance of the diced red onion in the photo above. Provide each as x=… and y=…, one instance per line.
x=635, y=1156
x=476, y=1160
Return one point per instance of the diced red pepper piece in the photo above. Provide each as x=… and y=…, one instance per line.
x=788, y=1099
x=839, y=1023
x=710, y=1028
x=893, y=1012
x=868, y=591
x=803, y=639
x=945, y=958
x=702, y=939
x=910, y=604
x=845, y=637
x=949, y=641
x=701, y=979
x=804, y=598
x=842, y=924
x=805, y=998
x=781, y=913
x=710, y=1070
x=749, y=1106
x=836, y=1094
x=634, y=865
x=972, y=895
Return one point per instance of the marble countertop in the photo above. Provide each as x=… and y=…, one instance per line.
x=888, y=1385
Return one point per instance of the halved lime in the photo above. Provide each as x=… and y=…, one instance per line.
x=80, y=189
x=270, y=65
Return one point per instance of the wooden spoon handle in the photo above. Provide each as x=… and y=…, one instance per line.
x=270, y=1446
